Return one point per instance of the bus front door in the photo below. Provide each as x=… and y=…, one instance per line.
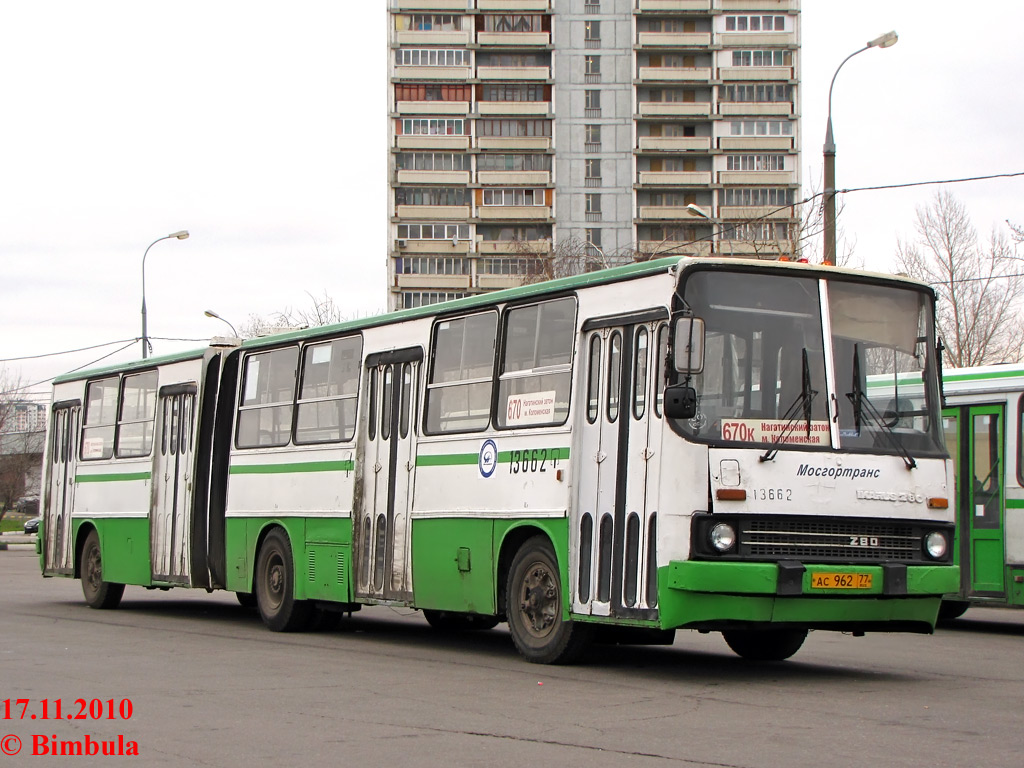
x=614, y=523
x=979, y=460
x=387, y=461
x=65, y=433
x=171, y=504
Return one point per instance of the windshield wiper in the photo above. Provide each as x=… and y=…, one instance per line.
x=800, y=406
x=862, y=404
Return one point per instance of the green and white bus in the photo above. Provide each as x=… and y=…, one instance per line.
x=682, y=443
x=983, y=418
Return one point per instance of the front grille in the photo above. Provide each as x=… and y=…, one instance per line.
x=831, y=539
x=817, y=539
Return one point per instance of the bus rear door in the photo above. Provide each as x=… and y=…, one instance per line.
x=65, y=435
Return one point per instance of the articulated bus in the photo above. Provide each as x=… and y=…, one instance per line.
x=983, y=419
x=681, y=443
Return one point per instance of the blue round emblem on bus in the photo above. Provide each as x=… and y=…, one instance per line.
x=488, y=458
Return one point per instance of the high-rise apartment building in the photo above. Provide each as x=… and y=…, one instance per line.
x=526, y=133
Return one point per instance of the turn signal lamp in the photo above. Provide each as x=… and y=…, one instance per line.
x=731, y=494
x=937, y=502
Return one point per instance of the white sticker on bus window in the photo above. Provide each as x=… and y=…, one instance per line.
x=530, y=408
x=92, y=448
x=775, y=430
x=252, y=375
x=322, y=354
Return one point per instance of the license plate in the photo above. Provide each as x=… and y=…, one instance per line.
x=829, y=580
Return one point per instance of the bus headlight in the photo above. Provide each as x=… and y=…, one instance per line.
x=722, y=537
x=935, y=545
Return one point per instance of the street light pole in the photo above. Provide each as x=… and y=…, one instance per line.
x=182, y=235
x=215, y=316
x=882, y=41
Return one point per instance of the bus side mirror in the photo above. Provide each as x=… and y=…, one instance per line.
x=689, y=345
x=680, y=402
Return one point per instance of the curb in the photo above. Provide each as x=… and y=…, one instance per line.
x=28, y=547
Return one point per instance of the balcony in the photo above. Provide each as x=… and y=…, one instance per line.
x=675, y=178
x=406, y=72
x=442, y=247
x=514, y=39
x=460, y=178
x=755, y=73
x=675, y=143
x=513, y=107
x=749, y=213
x=757, y=178
x=755, y=108
x=675, y=5
x=432, y=212
x=417, y=141
x=674, y=108
x=675, y=74
x=513, y=212
x=433, y=107
x=776, y=6
x=513, y=73
x=674, y=39
x=513, y=142
x=514, y=247
x=755, y=142
x=433, y=281
x=514, y=178
x=668, y=212
x=460, y=38
x=431, y=5
x=753, y=39
x=497, y=282
x=512, y=5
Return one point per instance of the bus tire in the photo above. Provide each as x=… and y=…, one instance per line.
x=452, y=621
x=952, y=609
x=98, y=593
x=275, y=586
x=534, y=596
x=765, y=644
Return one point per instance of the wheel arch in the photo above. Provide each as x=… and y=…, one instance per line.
x=298, y=567
x=80, y=536
x=510, y=543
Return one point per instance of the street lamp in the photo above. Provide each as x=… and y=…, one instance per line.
x=182, y=235
x=215, y=316
x=882, y=41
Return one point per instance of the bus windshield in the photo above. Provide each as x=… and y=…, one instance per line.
x=769, y=360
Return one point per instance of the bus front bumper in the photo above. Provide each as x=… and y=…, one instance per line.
x=722, y=595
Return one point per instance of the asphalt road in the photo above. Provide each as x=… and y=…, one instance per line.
x=209, y=685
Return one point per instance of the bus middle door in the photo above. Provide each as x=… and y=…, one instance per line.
x=170, y=528
x=65, y=435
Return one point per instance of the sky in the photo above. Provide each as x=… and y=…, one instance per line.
x=260, y=127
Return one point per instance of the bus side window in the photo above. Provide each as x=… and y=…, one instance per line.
x=462, y=374
x=268, y=394
x=100, y=419
x=326, y=409
x=136, y=415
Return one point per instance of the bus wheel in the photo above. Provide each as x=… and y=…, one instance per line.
x=952, y=609
x=534, y=596
x=275, y=586
x=98, y=593
x=765, y=644
x=452, y=621
x=246, y=599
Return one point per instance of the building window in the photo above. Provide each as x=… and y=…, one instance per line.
x=759, y=197
x=431, y=196
x=509, y=233
x=591, y=6
x=765, y=58
x=428, y=22
x=592, y=206
x=592, y=34
x=512, y=266
x=516, y=197
x=759, y=231
x=432, y=161
x=592, y=103
x=431, y=265
x=514, y=60
x=592, y=69
x=755, y=23
x=592, y=172
x=755, y=162
x=424, y=126
x=512, y=92
x=513, y=127
x=513, y=22
x=412, y=299
x=761, y=128
x=593, y=238
x=432, y=57
x=592, y=138
x=497, y=161
x=757, y=93
x=432, y=92
x=433, y=231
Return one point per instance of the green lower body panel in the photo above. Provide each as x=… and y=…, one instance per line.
x=124, y=542
x=715, y=595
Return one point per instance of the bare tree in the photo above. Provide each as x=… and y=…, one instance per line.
x=20, y=450
x=979, y=286
x=569, y=256
x=320, y=311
